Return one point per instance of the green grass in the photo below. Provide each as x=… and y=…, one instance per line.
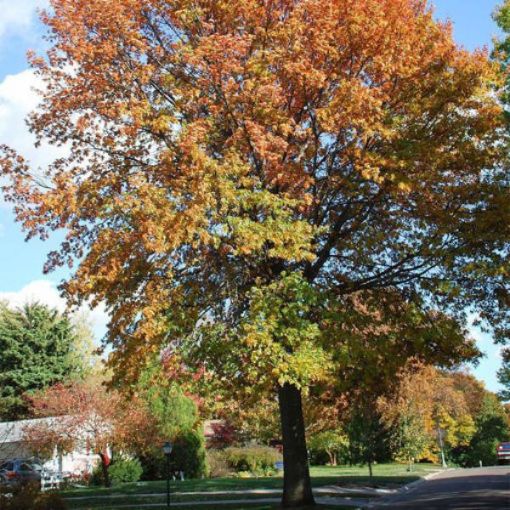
x=385, y=475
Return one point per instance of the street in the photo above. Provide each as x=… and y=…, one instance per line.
x=462, y=489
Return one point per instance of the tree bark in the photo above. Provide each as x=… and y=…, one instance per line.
x=297, y=487
x=104, y=467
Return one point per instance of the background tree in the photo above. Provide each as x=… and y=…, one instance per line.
x=410, y=437
x=491, y=428
x=37, y=345
x=504, y=376
x=86, y=415
x=501, y=55
x=176, y=418
x=173, y=411
x=332, y=442
x=85, y=349
x=245, y=161
x=471, y=419
x=368, y=439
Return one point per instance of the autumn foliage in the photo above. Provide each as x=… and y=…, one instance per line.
x=86, y=416
x=238, y=169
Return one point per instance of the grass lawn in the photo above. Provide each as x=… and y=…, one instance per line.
x=385, y=475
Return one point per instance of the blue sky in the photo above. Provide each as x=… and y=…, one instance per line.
x=21, y=263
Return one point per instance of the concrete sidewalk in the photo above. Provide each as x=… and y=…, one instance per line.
x=340, y=502
x=333, y=490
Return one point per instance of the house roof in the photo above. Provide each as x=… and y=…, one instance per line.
x=13, y=431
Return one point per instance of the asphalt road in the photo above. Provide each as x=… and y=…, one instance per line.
x=462, y=489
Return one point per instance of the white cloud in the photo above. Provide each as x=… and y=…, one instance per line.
x=46, y=292
x=18, y=16
x=19, y=97
x=43, y=291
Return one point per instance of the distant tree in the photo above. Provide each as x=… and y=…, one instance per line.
x=37, y=350
x=88, y=416
x=175, y=414
x=334, y=443
x=173, y=410
x=406, y=422
x=428, y=413
x=411, y=439
x=491, y=428
x=368, y=438
x=85, y=351
x=473, y=390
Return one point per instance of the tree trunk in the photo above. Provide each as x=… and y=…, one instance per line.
x=104, y=466
x=370, y=471
x=297, y=487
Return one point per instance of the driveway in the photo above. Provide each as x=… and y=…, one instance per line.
x=461, y=489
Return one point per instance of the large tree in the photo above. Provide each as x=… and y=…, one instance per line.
x=37, y=346
x=501, y=55
x=240, y=168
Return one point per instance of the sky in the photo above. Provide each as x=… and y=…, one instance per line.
x=21, y=263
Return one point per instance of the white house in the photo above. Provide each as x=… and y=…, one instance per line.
x=13, y=446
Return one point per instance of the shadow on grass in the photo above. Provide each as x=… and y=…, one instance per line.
x=229, y=484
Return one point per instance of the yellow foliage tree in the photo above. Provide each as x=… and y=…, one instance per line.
x=224, y=151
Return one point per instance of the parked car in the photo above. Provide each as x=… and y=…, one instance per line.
x=503, y=452
x=22, y=471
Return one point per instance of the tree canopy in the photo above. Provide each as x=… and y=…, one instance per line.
x=241, y=169
x=501, y=55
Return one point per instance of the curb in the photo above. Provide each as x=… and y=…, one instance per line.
x=408, y=488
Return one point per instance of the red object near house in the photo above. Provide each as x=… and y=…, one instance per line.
x=106, y=458
x=503, y=452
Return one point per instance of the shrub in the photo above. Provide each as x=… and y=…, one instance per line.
x=217, y=463
x=29, y=497
x=125, y=471
x=153, y=465
x=96, y=477
x=256, y=459
x=188, y=456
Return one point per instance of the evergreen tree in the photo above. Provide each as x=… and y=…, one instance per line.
x=36, y=351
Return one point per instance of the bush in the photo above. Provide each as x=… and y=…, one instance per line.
x=153, y=465
x=259, y=460
x=125, y=471
x=188, y=456
x=29, y=497
x=96, y=477
x=217, y=463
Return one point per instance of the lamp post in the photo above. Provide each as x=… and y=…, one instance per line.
x=167, y=450
x=440, y=435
